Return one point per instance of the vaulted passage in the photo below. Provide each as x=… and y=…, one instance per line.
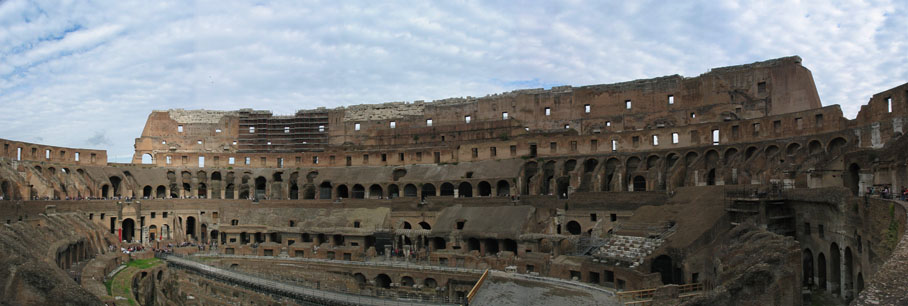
x=128, y=229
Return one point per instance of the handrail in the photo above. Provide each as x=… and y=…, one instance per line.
x=476, y=287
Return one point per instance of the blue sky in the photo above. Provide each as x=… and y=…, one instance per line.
x=87, y=74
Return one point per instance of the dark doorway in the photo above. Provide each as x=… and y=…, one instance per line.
x=128, y=229
x=190, y=228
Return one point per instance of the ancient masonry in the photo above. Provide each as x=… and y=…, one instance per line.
x=736, y=186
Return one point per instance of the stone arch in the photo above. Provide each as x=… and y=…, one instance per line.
x=860, y=284
x=611, y=169
x=529, y=171
x=324, y=190
x=712, y=158
x=573, y=227
x=428, y=190
x=360, y=280
x=750, y=152
x=146, y=192
x=473, y=244
x=425, y=225
x=393, y=191
x=730, y=155
x=309, y=192
x=503, y=188
x=835, y=263
x=792, y=148
x=639, y=183
x=376, y=192
x=161, y=192
x=807, y=265
x=128, y=229
x=849, y=272
x=430, y=283
x=294, y=191
x=853, y=178
x=5, y=190
x=771, y=150
x=147, y=159
x=821, y=271
x=569, y=166
x=203, y=190
x=652, y=161
x=229, y=191
x=190, y=228
x=260, y=183
x=815, y=147
x=359, y=192
x=590, y=164
x=836, y=145
x=670, y=160
x=383, y=281
x=711, y=177
x=342, y=191
x=465, y=190
x=447, y=189
x=105, y=191
x=410, y=191
x=406, y=225
x=485, y=189
x=115, y=185
x=548, y=174
x=690, y=158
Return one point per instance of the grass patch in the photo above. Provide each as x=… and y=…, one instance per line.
x=144, y=263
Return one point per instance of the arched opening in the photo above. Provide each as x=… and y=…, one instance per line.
x=294, y=191
x=406, y=225
x=447, y=190
x=128, y=229
x=749, y=152
x=383, y=281
x=835, y=270
x=573, y=227
x=115, y=185
x=393, y=191
x=260, y=187
x=375, y=192
x=836, y=145
x=491, y=246
x=663, y=266
x=510, y=245
x=590, y=165
x=793, y=148
x=230, y=191
x=438, y=243
x=853, y=179
x=465, y=190
x=309, y=192
x=485, y=189
x=472, y=244
x=808, y=268
x=161, y=192
x=425, y=225
x=146, y=192
x=562, y=185
x=503, y=188
x=338, y=240
x=324, y=190
x=711, y=177
x=147, y=159
x=359, y=192
x=190, y=227
x=153, y=233
x=815, y=147
x=849, y=273
x=821, y=271
x=214, y=235
x=5, y=191
x=360, y=280
x=105, y=191
x=860, y=284
x=406, y=281
x=430, y=283
x=529, y=171
x=428, y=190
x=410, y=191
x=639, y=183
x=342, y=191
x=203, y=191
x=204, y=233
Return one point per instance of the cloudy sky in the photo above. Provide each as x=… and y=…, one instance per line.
x=87, y=74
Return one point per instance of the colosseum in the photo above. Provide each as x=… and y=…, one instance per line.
x=734, y=187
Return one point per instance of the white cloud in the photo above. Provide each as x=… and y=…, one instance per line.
x=73, y=69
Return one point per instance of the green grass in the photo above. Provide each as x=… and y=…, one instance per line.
x=144, y=263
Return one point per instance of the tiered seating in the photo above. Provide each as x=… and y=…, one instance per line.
x=628, y=249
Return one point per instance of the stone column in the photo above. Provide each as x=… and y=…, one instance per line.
x=842, y=272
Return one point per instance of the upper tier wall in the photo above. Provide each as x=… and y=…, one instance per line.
x=17, y=150
x=751, y=91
